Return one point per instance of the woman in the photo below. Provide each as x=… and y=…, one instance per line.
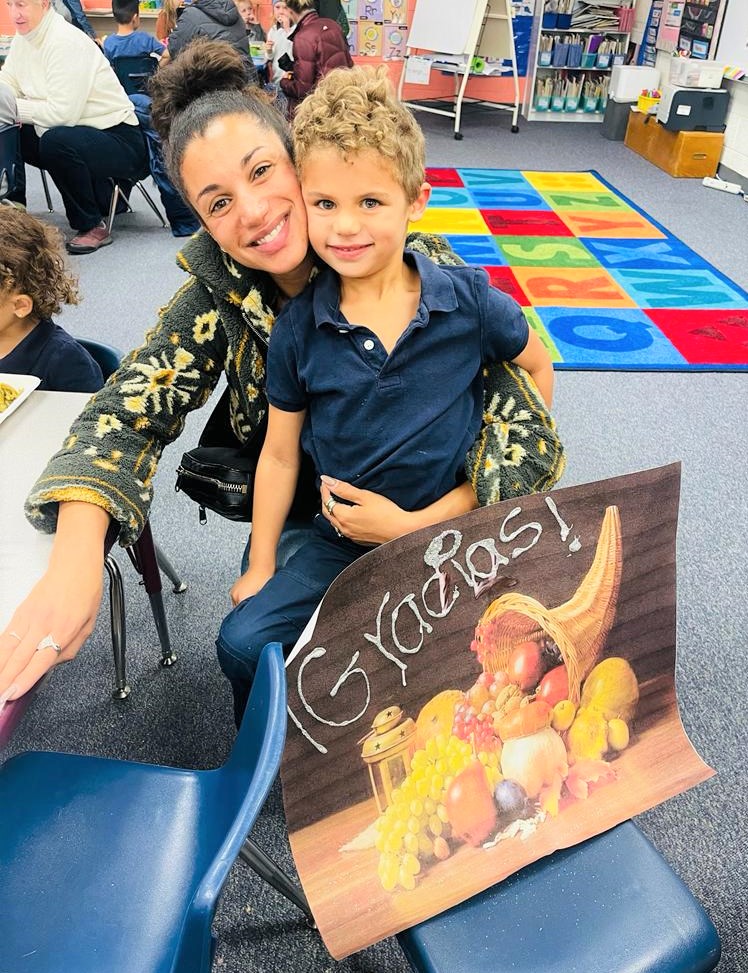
x=228, y=152
x=78, y=123
x=318, y=47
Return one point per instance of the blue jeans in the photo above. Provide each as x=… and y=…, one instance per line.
x=182, y=220
x=280, y=611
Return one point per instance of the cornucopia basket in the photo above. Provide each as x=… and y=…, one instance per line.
x=579, y=626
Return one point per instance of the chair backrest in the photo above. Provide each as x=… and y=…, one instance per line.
x=9, y=146
x=107, y=357
x=133, y=71
x=242, y=784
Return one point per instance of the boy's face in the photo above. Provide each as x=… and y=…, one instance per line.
x=357, y=211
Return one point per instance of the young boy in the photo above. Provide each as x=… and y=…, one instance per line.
x=375, y=369
x=248, y=12
x=33, y=285
x=130, y=41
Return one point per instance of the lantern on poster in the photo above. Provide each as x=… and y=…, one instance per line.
x=386, y=751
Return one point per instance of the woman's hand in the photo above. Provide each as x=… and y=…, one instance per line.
x=252, y=581
x=369, y=518
x=60, y=608
x=366, y=517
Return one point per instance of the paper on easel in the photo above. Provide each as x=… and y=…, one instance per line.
x=418, y=70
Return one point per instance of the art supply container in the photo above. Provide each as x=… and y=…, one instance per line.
x=645, y=103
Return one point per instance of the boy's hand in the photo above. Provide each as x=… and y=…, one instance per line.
x=252, y=581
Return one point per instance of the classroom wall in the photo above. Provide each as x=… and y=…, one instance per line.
x=492, y=89
x=6, y=27
x=735, y=152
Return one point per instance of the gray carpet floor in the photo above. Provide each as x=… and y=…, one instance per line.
x=612, y=423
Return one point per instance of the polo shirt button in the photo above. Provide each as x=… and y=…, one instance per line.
x=369, y=344
x=341, y=330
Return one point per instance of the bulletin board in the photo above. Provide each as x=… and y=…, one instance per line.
x=733, y=41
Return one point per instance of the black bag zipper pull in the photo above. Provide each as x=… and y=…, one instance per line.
x=202, y=515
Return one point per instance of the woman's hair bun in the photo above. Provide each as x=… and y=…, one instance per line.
x=202, y=67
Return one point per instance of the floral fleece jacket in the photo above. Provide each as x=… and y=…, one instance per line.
x=209, y=327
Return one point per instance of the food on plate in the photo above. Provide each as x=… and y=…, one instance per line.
x=8, y=394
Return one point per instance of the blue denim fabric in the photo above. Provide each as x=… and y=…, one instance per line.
x=182, y=220
x=280, y=611
x=79, y=19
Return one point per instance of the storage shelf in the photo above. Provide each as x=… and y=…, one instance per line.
x=582, y=30
x=544, y=72
x=564, y=116
x=550, y=67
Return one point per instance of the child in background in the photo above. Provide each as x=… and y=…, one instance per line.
x=34, y=282
x=167, y=19
x=130, y=41
x=375, y=370
x=278, y=42
x=248, y=10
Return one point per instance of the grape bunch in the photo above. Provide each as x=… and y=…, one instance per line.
x=415, y=829
x=474, y=717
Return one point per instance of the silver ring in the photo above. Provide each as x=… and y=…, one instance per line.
x=49, y=643
x=16, y=636
x=330, y=504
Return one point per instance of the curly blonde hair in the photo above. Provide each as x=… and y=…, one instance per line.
x=353, y=109
x=32, y=261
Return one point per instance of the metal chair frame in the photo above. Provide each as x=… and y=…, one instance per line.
x=146, y=558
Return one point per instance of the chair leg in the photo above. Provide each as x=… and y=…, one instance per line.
x=144, y=557
x=118, y=625
x=45, y=187
x=116, y=192
x=266, y=868
x=178, y=586
x=146, y=195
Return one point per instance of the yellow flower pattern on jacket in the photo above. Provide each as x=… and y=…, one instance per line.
x=219, y=321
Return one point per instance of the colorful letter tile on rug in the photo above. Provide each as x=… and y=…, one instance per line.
x=603, y=284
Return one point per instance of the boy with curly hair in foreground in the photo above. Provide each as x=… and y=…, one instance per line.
x=375, y=370
x=34, y=284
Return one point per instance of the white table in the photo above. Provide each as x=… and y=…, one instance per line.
x=28, y=438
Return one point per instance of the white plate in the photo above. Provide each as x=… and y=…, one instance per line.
x=26, y=383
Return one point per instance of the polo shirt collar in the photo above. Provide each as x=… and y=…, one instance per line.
x=437, y=292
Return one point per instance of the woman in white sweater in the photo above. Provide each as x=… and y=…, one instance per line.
x=77, y=121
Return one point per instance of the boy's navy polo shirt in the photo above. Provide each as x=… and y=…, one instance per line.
x=398, y=424
x=56, y=358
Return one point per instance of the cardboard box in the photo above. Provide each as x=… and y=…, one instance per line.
x=682, y=154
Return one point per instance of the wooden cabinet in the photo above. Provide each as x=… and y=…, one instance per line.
x=683, y=154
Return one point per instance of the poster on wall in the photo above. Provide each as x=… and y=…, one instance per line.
x=476, y=695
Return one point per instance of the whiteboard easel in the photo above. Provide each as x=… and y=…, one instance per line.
x=470, y=28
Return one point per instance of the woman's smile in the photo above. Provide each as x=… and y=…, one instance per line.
x=252, y=206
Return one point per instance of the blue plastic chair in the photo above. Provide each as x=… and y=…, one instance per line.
x=146, y=557
x=609, y=905
x=109, y=865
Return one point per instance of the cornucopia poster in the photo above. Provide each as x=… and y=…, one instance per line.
x=473, y=696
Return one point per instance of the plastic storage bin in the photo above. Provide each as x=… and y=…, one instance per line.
x=689, y=72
